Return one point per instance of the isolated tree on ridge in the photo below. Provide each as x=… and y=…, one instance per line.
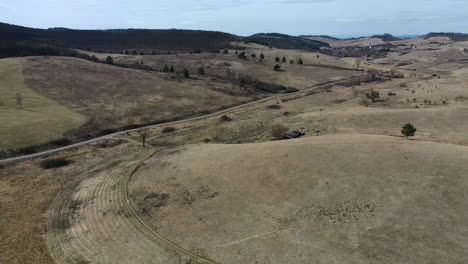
x=109, y=60
x=408, y=130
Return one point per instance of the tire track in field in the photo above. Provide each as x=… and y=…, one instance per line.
x=104, y=226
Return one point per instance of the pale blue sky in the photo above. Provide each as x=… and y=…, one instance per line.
x=242, y=17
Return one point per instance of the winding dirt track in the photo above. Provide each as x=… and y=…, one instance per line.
x=104, y=227
x=315, y=87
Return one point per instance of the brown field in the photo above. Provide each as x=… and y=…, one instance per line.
x=352, y=191
x=37, y=119
x=110, y=96
x=359, y=42
x=330, y=199
x=313, y=71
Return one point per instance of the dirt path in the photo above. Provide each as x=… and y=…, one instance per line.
x=31, y=156
x=94, y=222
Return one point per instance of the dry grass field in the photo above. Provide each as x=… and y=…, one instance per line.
x=329, y=199
x=34, y=119
x=359, y=42
x=317, y=68
x=26, y=193
x=353, y=190
x=110, y=96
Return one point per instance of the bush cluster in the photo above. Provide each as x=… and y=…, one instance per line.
x=54, y=163
x=169, y=129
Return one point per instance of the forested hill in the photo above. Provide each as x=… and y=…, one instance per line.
x=117, y=40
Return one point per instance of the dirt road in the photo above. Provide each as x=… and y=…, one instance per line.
x=31, y=156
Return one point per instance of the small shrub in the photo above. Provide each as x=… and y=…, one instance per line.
x=275, y=106
x=206, y=140
x=339, y=101
x=168, y=129
x=460, y=98
x=201, y=71
x=408, y=130
x=277, y=67
x=225, y=118
x=364, y=101
x=286, y=113
x=373, y=95
x=109, y=60
x=278, y=131
x=391, y=94
x=54, y=163
x=186, y=73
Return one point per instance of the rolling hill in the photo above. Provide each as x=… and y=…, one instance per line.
x=283, y=41
x=117, y=40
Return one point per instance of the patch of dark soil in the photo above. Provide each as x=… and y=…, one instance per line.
x=346, y=212
x=157, y=200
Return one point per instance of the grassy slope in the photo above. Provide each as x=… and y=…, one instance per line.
x=39, y=120
x=369, y=199
x=293, y=75
x=112, y=96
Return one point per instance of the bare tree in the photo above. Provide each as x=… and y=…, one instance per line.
x=143, y=135
x=19, y=100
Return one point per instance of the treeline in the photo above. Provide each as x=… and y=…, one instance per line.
x=119, y=39
x=21, y=50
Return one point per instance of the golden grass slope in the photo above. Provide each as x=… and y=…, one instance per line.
x=37, y=120
x=111, y=96
x=330, y=199
x=317, y=68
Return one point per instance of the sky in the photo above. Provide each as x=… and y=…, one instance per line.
x=246, y=17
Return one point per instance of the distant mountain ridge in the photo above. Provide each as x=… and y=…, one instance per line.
x=118, y=39
x=452, y=35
